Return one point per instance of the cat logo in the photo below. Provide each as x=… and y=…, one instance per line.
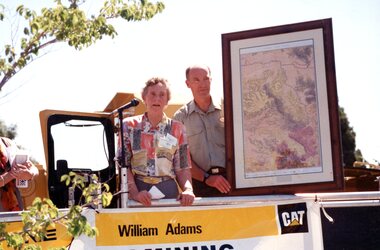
x=293, y=218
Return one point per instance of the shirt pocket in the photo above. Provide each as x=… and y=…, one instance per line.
x=195, y=138
x=219, y=134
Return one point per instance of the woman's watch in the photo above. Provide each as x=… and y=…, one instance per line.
x=205, y=176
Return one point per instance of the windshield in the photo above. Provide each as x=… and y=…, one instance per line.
x=81, y=144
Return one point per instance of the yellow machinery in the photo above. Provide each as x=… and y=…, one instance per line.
x=83, y=142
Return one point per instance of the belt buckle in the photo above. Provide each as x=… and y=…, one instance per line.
x=215, y=171
x=151, y=180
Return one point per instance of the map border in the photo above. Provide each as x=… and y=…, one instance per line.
x=331, y=176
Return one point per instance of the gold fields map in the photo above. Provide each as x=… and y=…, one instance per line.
x=280, y=110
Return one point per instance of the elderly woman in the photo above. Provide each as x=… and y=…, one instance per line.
x=157, y=153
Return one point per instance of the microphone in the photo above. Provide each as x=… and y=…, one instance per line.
x=133, y=103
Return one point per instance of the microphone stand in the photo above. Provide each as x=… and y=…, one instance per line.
x=123, y=168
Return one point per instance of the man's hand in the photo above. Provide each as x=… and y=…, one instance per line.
x=22, y=171
x=218, y=182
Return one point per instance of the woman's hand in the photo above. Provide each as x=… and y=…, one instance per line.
x=144, y=197
x=186, y=198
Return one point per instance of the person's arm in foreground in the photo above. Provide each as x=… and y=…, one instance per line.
x=24, y=171
x=144, y=197
x=216, y=181
x=187, y=196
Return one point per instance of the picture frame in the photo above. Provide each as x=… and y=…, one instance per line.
x=281, y=110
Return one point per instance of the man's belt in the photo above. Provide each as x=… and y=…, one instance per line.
x=217, y=170
x=152, y=179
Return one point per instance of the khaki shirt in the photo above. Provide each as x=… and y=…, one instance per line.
x=205, y=134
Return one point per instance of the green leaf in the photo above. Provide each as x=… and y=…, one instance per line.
x=75, y=20
x=20, y=9
x=89, y=199
x=106, y=186
x=26, y=31
x=106, y=199
x=7, y=50
x=65, y=177
x=34, y=28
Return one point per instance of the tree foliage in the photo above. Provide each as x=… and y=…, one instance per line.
x=348, y=136
x=67, y=24
x=8, y=131
x=43, y=214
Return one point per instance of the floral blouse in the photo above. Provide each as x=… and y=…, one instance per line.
x=159, y=151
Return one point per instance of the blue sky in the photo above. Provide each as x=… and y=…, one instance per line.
x=187, y=32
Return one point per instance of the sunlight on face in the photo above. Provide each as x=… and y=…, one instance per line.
x=199, y=82
x=156, y=98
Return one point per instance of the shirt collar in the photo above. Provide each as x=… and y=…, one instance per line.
x=194, y=108
x=160, y=126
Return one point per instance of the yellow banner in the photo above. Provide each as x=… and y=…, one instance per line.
x=176, y=226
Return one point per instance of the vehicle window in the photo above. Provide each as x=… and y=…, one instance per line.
x=80, y=143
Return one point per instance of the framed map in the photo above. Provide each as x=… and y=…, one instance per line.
x=281, y=110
